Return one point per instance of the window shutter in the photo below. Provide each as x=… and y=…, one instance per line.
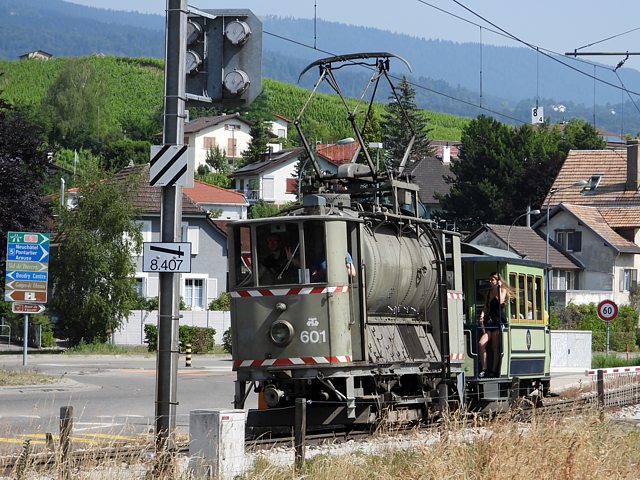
x=633, y=285
x=193, y=236
x=575, y=241
x=291, y=185
x=212, y=290
x=152, y=285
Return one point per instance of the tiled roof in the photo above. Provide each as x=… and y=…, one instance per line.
x=580, y=165
x=621, y=217
x=529, y=243
x=206, y=122
x=429, y=173
x=202, y=192
x=338, y=153
x=593, y=219
x=147, y=198
x=276, y=159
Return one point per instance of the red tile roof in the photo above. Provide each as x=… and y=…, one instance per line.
x=202, y=192
x=593, y=219
x=336, y=153
x=580, y=165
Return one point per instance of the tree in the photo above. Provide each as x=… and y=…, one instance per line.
x=92, y=269
x=218, y=161
x=118, y=154
x=260, y=135
x=502, y=170
x=23, y=171
x=395, y=130
x=78, y=104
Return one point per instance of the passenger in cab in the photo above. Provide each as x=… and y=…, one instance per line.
x=493, y=315
x=279, y=264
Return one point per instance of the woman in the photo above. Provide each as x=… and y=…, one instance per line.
x=493, y=315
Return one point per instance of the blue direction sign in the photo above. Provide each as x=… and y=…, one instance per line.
x=27, y=252
x=27, y=267
x=28, y=276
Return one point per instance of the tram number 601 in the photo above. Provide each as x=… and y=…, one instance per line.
x=170, y=265
x=313, y=336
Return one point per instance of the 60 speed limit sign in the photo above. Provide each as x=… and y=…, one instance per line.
x=607, y=310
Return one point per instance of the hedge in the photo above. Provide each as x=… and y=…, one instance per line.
x=200, y=338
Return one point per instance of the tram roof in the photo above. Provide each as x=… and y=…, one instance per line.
x=481, y=253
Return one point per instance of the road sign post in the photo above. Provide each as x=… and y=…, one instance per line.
x=26, y=277
x=607, y=311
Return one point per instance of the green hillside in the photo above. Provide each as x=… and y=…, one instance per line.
x=135, y=88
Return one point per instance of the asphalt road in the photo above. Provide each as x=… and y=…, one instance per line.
x=112, y=396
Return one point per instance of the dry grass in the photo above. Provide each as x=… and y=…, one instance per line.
x=547, y=448
x=9, y=378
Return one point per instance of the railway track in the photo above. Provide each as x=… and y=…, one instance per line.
x=616, y=394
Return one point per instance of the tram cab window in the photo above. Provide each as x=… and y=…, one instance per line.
x=242, y=267
x=315, y=253
x=278, y=247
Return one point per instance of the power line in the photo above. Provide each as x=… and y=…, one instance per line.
x=413, y=84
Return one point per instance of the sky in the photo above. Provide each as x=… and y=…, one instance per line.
x=555, y=25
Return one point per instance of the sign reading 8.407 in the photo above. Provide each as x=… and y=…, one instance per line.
x=166, y=257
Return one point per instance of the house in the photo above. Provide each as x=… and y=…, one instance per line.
x=230, y=204
x=530, y=244
x=36, y=54
x=280, y=126
x=599, y=224
x=231, y=133
x=207, y=278
x=430, y=173
x=272, y=179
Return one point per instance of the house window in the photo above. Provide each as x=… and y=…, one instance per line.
x=569, y=240
x=232, y=126
x=282, y=133
x=209, y=142
x=565, y=280
x=629, y=280
x=194, y=293
x=140, y=287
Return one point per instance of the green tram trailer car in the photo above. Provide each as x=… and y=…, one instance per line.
x=525, y=341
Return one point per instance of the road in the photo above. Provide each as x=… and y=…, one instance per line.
x=112, y=396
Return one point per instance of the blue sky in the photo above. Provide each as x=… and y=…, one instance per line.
x=558, y=25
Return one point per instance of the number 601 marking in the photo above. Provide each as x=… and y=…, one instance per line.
x=313, y=336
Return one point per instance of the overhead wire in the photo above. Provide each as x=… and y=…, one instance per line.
x=501, y=32
x=413, y=84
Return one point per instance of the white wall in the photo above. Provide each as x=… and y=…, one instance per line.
x=196, y=140
x=279, y=175
x=132, y=330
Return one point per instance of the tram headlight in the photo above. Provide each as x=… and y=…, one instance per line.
x=281, y=332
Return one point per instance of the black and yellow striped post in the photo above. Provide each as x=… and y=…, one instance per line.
x=187, y=350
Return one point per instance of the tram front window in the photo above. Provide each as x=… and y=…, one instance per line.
x=278, y=254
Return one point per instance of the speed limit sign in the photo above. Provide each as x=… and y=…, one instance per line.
x=607, y=310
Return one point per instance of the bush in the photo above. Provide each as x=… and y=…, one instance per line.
x=200, y=338
x=222, y=303
x=226, y=340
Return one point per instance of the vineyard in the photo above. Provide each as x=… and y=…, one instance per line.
x=134, y=93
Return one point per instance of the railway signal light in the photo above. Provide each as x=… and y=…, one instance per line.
x=224, y=56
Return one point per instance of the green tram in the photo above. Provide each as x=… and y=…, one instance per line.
x=524, y=341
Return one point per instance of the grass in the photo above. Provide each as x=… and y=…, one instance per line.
x=548, y=448
x=610, y=361
x=99, y=348
x=10, y=378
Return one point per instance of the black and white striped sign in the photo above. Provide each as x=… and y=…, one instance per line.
x=170, y=166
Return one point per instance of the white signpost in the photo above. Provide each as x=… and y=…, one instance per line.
x=607, y=311
x=166, y=257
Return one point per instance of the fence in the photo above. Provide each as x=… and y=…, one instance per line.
x=132, y=330
x=616, y=386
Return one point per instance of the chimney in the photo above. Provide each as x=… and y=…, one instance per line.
x=446, y=154
x=633, y=172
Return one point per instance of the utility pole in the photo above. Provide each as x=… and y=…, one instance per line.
x=170, y=228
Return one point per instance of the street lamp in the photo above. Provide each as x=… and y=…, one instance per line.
x=528, y=212
x=552, y=192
